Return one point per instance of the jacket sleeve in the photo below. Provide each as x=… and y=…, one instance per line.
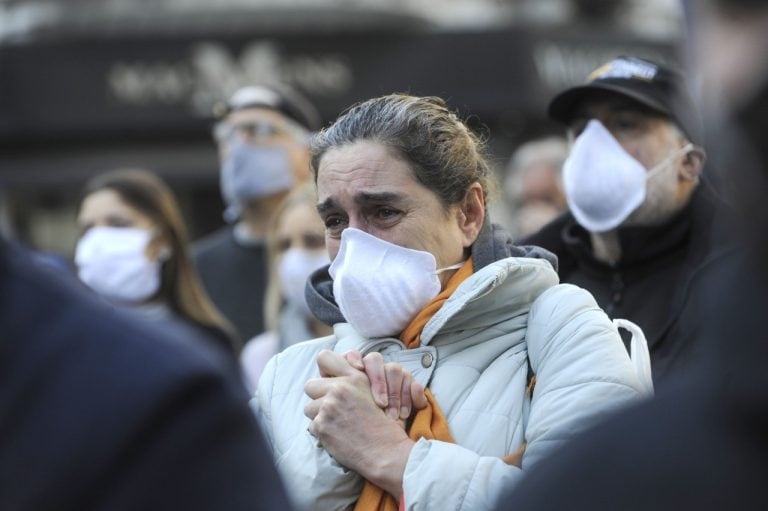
x=441, y=475
x=313, y=478
x=583, y=373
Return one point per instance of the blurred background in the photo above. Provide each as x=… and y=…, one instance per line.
x=90, y=85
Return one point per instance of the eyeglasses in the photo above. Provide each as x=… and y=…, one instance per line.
x=259, y=131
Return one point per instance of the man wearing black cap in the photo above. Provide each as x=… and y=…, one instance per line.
x=638, y=230
x=262, y=136
x=700, y=444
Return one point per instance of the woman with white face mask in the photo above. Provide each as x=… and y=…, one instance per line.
x=296, y=248
x=424, y=293
x=133, y=251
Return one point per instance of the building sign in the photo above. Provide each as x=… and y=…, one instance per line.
x=210, y=71
x=161, y=86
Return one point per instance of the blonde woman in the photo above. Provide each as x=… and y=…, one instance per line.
x=296, y=248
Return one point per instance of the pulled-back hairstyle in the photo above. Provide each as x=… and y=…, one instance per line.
x=443, y=153
x=181, y=289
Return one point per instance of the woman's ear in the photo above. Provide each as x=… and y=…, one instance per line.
x=471, y=214
x=159, y=249
x=693, y=164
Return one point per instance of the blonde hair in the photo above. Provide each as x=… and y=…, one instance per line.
x=304, y=193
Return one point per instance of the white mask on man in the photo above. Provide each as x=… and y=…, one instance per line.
x=379, y=286
x=112, y=261
x=603, y=183
x=295, y=267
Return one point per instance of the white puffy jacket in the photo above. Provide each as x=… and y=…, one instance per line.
x=474, y=357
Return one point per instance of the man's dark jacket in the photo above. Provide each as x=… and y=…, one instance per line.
x=101, y=411
x=234, y=275
x=699, y=444
x=651, y=284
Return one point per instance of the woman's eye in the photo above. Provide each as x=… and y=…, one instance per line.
x=334, y=225
x=283, y=245
x=314, y=241
x=332, y=222
x=118, y=221
x=386, y=213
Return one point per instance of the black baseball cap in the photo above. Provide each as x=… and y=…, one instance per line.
x=281, y=98
x=655, y=86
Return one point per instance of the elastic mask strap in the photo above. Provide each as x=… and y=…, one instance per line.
x=449, y=268
x=661, y=166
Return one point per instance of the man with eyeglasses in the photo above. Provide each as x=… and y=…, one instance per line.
x=262, y=136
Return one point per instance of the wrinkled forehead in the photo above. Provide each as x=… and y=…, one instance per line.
x=364, y=156
x=365, y=172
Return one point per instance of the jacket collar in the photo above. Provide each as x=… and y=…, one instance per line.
x=691, y=228
x=639, y=245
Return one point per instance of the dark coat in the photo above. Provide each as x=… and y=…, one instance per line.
x=700, y=444
x=99, y=410
x=651, y=284
x=235, y=277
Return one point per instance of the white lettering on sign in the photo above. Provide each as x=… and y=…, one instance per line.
x=565, y=64
x=212, y=72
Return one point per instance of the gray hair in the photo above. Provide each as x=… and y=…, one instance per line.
x=443, y=153
x=550, y=152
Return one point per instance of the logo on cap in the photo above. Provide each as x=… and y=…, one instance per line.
x=625, y=69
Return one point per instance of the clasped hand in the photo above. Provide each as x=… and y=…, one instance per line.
x=358, y=411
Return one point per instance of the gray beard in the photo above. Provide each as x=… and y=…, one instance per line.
x=660, y=203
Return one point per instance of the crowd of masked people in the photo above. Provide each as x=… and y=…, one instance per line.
x=363, y=333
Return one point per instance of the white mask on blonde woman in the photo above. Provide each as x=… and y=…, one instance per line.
x=295, y=267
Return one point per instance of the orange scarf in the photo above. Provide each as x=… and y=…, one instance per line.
x=428, y=422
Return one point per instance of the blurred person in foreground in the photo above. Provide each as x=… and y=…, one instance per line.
x=533, y=186
x=702, y=443
x=424, y=288
x=262, y=138
x=296, y=248
x=638, y=232
x=102, y=412
x=134, y=251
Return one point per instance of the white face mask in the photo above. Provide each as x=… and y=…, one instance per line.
x=295, y=267
x=603, y=183
x=379, y=286
x=112, y=262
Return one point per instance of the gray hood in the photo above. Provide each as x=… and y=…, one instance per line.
x=492, y=244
